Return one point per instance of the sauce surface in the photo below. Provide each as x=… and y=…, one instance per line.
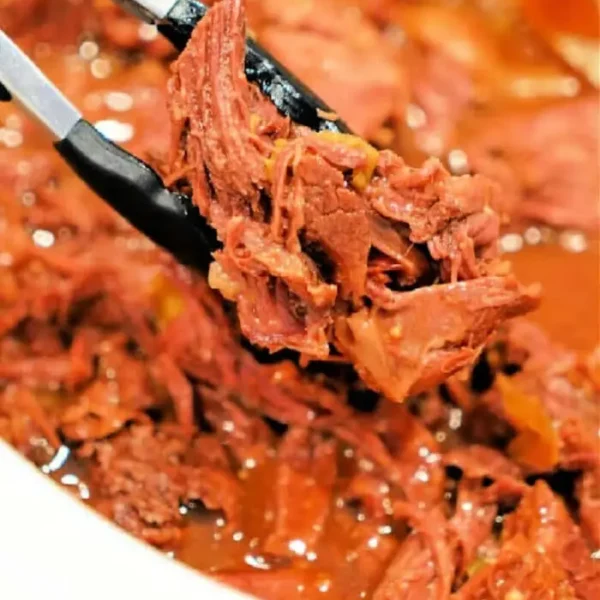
x=570, y=308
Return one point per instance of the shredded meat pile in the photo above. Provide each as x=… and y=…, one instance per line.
x=327, y=240
x=282, y=481
x=513, y=150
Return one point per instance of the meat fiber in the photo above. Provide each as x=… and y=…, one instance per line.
x=543, y=555
x=422, y=567
x=285, y=481
x=294, y=211
x=545, y=162
x=144, y=476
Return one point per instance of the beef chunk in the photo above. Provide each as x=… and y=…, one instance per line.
x=145, y=474
x=422, y=567
x=545, y=162
x=410, y=341
x=542, y=555
x=551, y=401
x=321, y=190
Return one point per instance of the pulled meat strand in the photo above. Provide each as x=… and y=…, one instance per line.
x=272, y=190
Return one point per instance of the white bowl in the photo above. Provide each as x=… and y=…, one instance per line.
x=53, y=546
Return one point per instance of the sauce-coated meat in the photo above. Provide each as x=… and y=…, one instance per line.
x=273, y=190
x=127, y=378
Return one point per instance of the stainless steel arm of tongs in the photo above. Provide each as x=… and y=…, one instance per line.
x=129, y=185
x=126, y=183
x=150, y=11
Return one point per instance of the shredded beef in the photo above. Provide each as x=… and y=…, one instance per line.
x=415, y=453
x=545, y=162
x=481, y=463
x=283, y=481
x=144, y=476
x=422, y=567
x=471, y=524
x=560, y=391
x=22, y=420
x=320, y=188
x=542, y=555
x=508, y=115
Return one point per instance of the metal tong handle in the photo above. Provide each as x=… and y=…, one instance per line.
x=128, y=184
x=24, y=81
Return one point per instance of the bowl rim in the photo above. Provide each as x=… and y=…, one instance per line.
x=90, y=558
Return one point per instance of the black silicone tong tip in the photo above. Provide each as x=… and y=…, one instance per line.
x=125, y=182
x=4, y=94
x=135, y=191
x=291, y=97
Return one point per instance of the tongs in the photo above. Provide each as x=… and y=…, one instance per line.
x=176, y=20
x=128, y=184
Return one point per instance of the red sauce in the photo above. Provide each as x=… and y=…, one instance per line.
x=570, y=310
